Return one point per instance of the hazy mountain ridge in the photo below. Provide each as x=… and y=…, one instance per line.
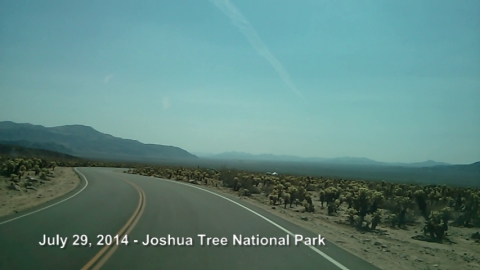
x=54, y=147
x=21, y=151
x=84, y=141
x=338, y=160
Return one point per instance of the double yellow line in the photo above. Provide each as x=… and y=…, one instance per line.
x=98, y=261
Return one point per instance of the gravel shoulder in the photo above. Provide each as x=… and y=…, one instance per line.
x=13, y=201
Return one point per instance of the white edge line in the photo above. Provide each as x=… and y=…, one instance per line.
x=330, y=259
x=86, y=184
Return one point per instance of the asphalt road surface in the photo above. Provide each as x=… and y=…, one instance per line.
x=109, y=203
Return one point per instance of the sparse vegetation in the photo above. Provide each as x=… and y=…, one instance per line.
x=369, y=207
x=366, y=205
x=33, y=172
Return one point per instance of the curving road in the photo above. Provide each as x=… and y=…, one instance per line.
x=109, y=202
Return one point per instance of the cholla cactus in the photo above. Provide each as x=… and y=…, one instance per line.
x=236, y=185
x=377, y=200
x=433, y=196
x=434, y=227
x=245, y=192
x=349, y=199
x=393, y=220
x=331, y=209
x=376, y=219
x=420, y=198
x=308, y=206
x=36, y=168
x=357, y=220
x=441, y=218
x=321, y=196
x=43, y=176
x=331, y=194
x=273, y=197
x=397, y=191
x=352, y=213
x=287, y=199
x=362, y=202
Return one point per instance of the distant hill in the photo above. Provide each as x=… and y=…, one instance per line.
x=86, y=142
x=36, y=145
x=428, y=163
x=339, y=160
x=474, y=167
x=20, y=151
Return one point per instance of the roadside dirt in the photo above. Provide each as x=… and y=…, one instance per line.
x=15, y=201
x=386, y=248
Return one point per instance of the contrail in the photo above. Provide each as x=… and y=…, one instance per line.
x=247, y=29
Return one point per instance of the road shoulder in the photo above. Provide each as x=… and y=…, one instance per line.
x=17, y=202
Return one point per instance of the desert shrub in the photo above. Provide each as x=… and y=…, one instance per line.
x=244, y=192
x=228, y=178
x=43, y=176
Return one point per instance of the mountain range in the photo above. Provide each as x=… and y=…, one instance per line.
x=78, y=141
x=339, y=160
x=86, y=142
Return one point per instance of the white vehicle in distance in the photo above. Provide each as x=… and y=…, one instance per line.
x=271, y=173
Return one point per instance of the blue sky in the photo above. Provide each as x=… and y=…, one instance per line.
x=395, y=81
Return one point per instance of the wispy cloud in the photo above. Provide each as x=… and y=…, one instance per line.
x=247, y=29
x=107, y=78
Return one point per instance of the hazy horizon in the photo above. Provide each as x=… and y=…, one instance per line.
x=207, y=155
x=389, y=81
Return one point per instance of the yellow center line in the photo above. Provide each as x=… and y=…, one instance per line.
x=131, y=222
x=114, y=248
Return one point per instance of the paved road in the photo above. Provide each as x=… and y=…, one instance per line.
x=109, y=202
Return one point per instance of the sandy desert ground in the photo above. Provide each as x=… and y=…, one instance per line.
x=15, y=201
